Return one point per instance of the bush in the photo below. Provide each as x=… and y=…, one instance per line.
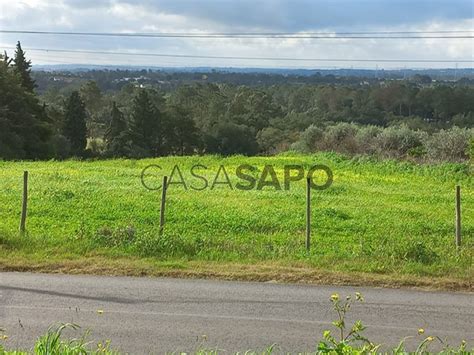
x=449, y=145
x=365, y=139
x=96, y=146
x=311, y=139
x=452, y=145
x=341, y=138
x=397, y=142
x=299, y=146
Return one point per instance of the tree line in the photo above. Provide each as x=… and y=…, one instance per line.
x=142, y=120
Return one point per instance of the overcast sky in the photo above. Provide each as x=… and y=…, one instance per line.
x=203, y=16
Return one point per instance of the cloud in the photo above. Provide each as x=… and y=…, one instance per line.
x=306, y=15
x=239, y=16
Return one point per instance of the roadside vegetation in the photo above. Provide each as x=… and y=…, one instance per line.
x=343, y=339
x=381, y=222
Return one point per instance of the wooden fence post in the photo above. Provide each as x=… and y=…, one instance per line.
x=163, y=203
x=24, y=206
x=308, y=214
x=458, y=216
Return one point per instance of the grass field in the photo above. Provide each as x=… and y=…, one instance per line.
x=379, y=223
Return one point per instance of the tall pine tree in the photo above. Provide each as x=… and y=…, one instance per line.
x=25, y=131
x=22, y=67
x=117, y=135
x=75, y=129
x=145, y=125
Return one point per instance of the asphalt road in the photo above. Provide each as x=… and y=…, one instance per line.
x=149, y=315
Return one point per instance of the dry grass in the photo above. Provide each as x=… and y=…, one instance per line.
x=261, y=272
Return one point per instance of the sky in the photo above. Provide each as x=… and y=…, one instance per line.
x=236, y=16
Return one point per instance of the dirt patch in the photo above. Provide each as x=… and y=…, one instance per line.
x=260, y=272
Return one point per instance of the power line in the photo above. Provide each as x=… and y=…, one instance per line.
x=268, y=35
x=72, y=59
x=168, y=55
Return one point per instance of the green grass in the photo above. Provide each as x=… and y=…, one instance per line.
x=381, y=218
x=53, y=343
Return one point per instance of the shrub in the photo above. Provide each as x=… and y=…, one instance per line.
x=341, y=138
x=299, y=146
x=449, y=145
x=365, y=139
x=397, y=141
x=96, y=146
x=312, y=138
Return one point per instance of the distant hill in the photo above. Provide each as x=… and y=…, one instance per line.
x=439, y=74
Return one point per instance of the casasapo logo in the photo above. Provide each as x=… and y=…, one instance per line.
x=246, y=177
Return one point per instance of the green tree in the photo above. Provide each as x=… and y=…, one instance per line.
x=229, y=138
x=271, y=140
x=91, y=95
x=22, y=67
x=180, y=133
x=117, y=135
x=145, y=125
x=75, y=129
x=252, y=108
x=25, y=132
x=205, y=103
x=97, y=107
